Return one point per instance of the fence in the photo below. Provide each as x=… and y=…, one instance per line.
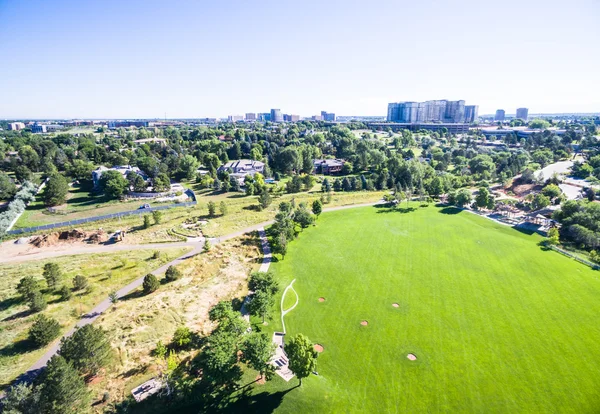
x=579, y=259
x=105, y=217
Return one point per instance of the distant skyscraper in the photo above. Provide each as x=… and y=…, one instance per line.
x=522, y=113
x=499, y=115
x=471, y=113
x=327, y=116
x=235, y=118
x=265, y=116
x=250, y=116
x=429, y=111
x=276, y=115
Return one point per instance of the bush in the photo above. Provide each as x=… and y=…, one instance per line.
x=65, y=293
x=150, y=284
x=44, y=330
x=182, y=338
x=156, y=254
x=37, y=303
x=80, y=282
x=172, y=274
x=51, y=274
x=147, y=222
x=157, y=216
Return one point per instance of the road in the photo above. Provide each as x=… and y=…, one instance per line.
x=197, y=246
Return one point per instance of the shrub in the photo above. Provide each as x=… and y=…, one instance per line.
x=44, y=330
x=156, y=254
x=157, y=216
x=172, y=274
x=150, y=284
x=65, y=293
x=147, y=222
x=51, y=274
x=182, y=338
x=80, y=282
x=37, y=303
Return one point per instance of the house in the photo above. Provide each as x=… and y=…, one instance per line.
x=333, y=166
x=123, y=169
x=244, y=167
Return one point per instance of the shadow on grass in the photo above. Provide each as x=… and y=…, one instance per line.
x=252, y=207
x=18, y=315
x=262, y=402
x=17, y=348
x=401, y=210
x=138, y=293
x=450, y=210
x=9, y=303
x=527, y=231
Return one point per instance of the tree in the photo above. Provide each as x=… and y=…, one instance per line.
x=150, y=283
x=80, y=282
x=317, y=207
x=88, y=349
x=147, y=222
x=172, y=274
x=212, y=208
x=113, y=184
x=37, y=302
x=326, y=186
x=7, y=187
x=139, y=184
x=484, y=199
x=113, y=297
x=264, y=199
x=264, y=281
x=207, y=246
x=303, y=217
x=223, y=208
x=463, y=197
x=280, y=246
x=302, y=356
x=260, y=304
x=540, y=201
x=63, y=391
x=182, y=338
x=188, y=166
x=27, y=287
x=43, y=331
x=51, y=274
x=257, y=351
x=553, y=236
x=234, y=184
x=21, y=398
x=56, y=190
x=552, y=191
x=161, y=183
x=157, y=216
x=65, y=293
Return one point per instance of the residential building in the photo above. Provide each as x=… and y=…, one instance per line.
x=317, y=118
x=500, y=115
x=243, y=167
x=123, y=169
x=453, y=128
x=250, y=116
x=126, y=124
x=471, y=113
x=522, y=113
x=328, y=166
x=327, y=116
x=16, y=126
x=276, y=115
x=429, y=111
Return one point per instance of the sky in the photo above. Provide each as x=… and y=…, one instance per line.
x=191, y=59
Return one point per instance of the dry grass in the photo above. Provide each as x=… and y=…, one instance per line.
x=105, y=272
x=207, y=279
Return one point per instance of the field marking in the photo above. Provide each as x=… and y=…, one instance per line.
x=284, y=312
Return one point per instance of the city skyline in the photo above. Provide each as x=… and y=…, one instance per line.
x=71, y=59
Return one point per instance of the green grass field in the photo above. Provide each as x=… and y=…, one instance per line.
x=497, y=324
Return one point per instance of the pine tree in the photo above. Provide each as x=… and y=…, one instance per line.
x=62, y=389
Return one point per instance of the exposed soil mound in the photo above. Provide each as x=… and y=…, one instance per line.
x=319, y=348
x=98, y=237
x=72, y=235
x=69, y=236
x=45, y=240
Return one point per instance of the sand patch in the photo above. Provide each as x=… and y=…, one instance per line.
x=321, y=299
x=412, y=357
x=319, y=348
x=395, y=305
x=364, y=323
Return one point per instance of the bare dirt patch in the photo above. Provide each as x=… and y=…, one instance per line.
x=395, y=305
x=364, y=323
x=412, y=357
x=260, y=380
x=521, y=190
x=319, y=348
x=321, y=299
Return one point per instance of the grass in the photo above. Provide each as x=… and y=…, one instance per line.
x=289, y=299
x=105, y=272
x=497, y=323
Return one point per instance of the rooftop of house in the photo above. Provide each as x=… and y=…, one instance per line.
x=329, y=162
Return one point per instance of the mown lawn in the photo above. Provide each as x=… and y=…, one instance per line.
x=497, y=324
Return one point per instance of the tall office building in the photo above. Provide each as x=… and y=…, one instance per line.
x=471, y=113
x=522, y=113
x=276, y=115
x=327, y=116
x=265, y=116
x=429, y=111
x=499, y=115
x=250, y=116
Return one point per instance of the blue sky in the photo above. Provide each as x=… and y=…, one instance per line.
x=63, y=58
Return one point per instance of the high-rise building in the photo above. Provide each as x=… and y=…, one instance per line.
x=250, y=116
x=16, y=126
x=291, y=118
x=500, y=114
x=429, y=111
x=471, y=113
x=522, y=113
x=276, y=115
x=235, y=118
x=265, y=116
x=327, y=116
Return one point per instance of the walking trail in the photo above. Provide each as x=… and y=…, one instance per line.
x=197, y=246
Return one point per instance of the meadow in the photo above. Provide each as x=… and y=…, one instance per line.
x=497, y=323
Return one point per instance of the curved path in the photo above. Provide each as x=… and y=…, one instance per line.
x=284, y=312
x=90, y=317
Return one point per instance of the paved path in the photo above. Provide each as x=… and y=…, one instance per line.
x=284, y=312
x=264, y=267
x=90, y=317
